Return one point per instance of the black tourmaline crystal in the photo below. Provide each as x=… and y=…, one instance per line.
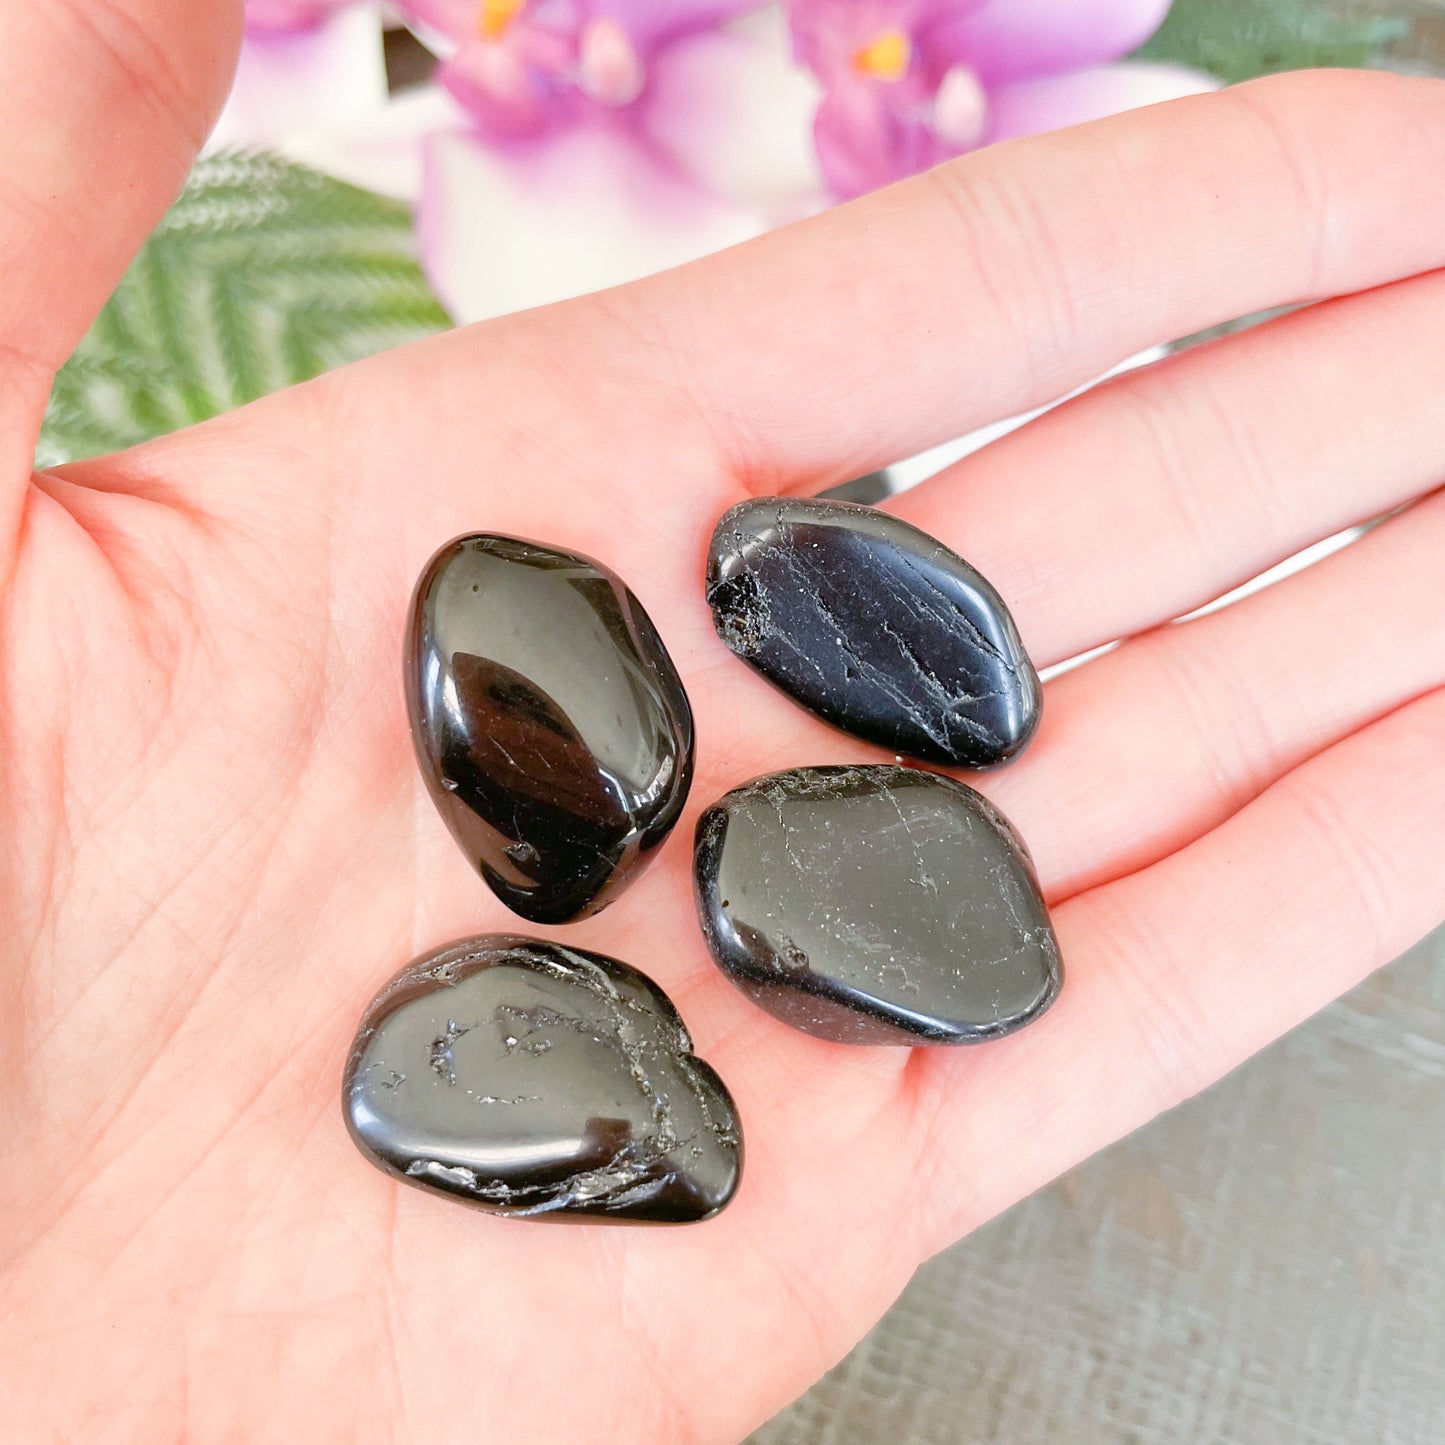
x=874, y=626
x=532, y=1079
x=876, y=905
x=551, y=726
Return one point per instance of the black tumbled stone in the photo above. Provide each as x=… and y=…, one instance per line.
x=532, y=1079
x=874, y=626
x=875, y=905
x=550, y=723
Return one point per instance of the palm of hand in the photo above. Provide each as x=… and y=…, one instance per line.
x=217, y=845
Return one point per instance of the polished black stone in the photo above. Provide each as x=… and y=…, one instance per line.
x=550, y=723
x=532, y=1079
x=874, y=626
x=876, y=905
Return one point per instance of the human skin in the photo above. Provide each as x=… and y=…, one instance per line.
x=215, y=843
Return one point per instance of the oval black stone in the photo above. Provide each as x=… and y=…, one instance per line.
x=874, y=626
x=531, y=1079
x=550, y=723
x=876, y=905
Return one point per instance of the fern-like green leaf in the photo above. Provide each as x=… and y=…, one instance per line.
x=1237, y=39
x=262, y=274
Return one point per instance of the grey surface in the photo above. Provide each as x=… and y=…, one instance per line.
x=1263, y=1266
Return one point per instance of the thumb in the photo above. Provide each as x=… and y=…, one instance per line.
x=103, y=105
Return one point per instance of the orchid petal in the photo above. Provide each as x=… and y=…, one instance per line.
x=829, y=34
x=960, y=109
x=609, y=69
x=1031, y=106
x=647, y=23
x=287, y=17
x=284, y=84
x=457, y=20
x=499, y=90
x=736, y=115
x=864, y=142
x=1017, y=39
x=503, y=228
x=853, y=131
x=651, y=23
x=383, y=151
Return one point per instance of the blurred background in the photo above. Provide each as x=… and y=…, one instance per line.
x=1263, y=1266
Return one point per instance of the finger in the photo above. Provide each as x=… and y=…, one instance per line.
x=1153, y=744
x=1180, y=972
x=1149, y=496
x=106, y=103
x=1007, y=278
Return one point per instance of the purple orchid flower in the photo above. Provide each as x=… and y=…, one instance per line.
x=715, y=148
x=525, y=67
x=305, y=65
x=600, y=140
x=288, y=17
x=909, y=83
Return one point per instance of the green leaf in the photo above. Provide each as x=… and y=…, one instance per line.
x=262, y=274
x=1237, y=39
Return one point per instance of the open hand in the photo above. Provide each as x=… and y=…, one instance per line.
x=215, y=843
